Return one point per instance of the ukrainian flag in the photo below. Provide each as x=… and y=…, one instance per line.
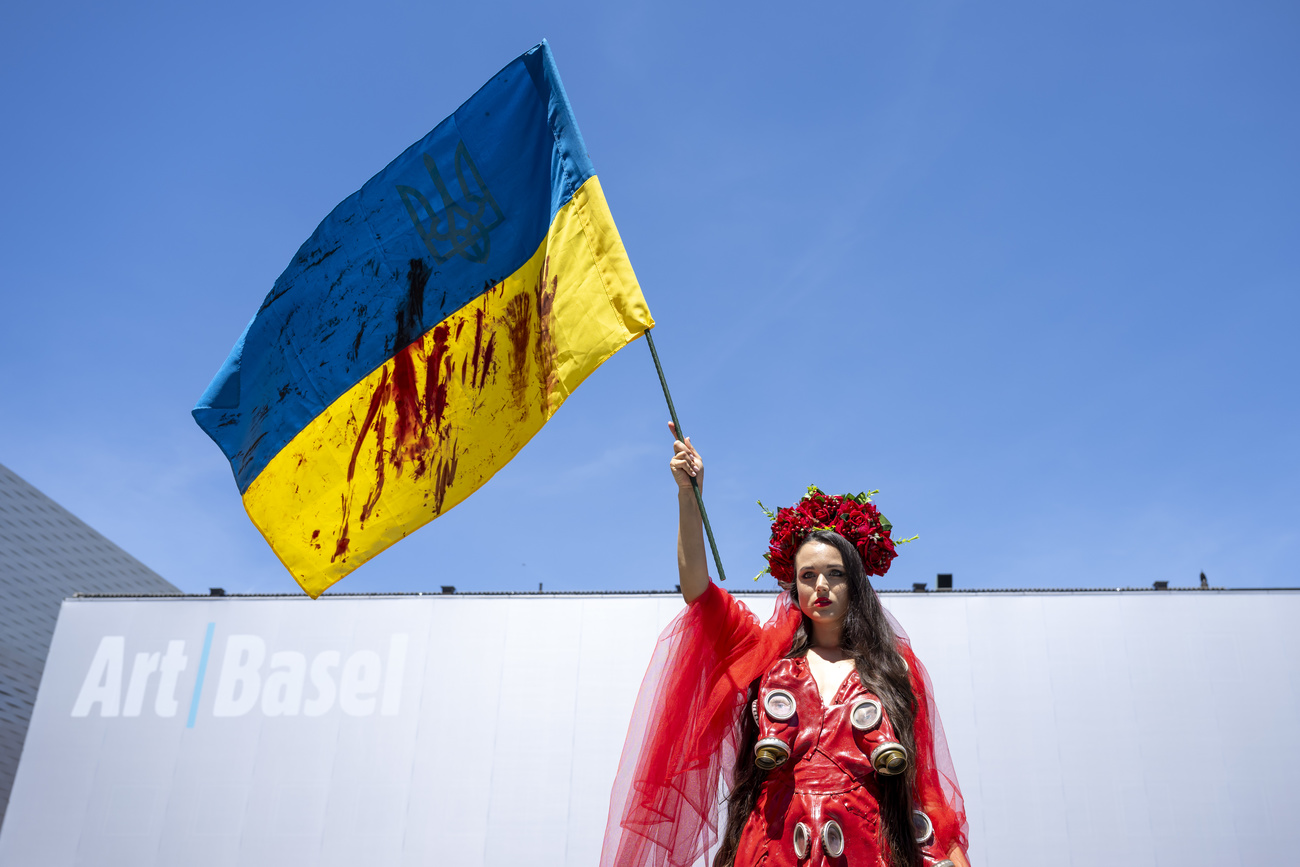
x=426, y=331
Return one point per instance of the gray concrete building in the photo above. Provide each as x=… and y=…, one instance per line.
x=46, y=555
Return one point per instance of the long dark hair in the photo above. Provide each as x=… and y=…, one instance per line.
x=871, y=641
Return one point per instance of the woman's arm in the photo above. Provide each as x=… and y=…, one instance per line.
x=692, y=564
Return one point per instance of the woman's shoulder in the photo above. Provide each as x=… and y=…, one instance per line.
x=721, y=617
x=735, y=633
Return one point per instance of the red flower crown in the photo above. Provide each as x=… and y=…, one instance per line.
x=854, y=517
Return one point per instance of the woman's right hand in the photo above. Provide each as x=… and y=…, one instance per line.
x=692, y=568
x=686, y=462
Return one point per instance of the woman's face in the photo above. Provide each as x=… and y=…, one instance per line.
x=821, y=582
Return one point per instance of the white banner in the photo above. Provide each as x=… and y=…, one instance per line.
x=1087, y=729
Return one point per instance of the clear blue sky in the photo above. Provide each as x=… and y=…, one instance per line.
x=1030, y=268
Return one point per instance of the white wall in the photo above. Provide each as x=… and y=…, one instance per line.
x=1087, y=728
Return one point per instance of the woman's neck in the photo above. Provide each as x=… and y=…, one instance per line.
x=826, y=636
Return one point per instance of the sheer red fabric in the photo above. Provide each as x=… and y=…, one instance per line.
x=666, y=802
x=936, y=790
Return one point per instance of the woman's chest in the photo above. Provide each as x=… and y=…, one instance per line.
x=826, y=744
x=828, y=677
x=807, y=693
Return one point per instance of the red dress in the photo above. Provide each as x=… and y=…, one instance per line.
x=820, y=805
x=682, y=740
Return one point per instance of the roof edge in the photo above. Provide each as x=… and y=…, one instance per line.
x=1054, y=591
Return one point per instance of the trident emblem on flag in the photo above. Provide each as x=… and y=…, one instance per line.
x=462, y=227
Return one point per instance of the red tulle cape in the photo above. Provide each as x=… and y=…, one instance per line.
x=666, y=803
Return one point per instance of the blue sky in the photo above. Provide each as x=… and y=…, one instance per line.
x=1029, y=268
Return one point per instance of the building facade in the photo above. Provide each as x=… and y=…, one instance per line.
x=46, y=555
x=1117, y=729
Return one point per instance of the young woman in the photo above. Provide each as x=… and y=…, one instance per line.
x=821, y=723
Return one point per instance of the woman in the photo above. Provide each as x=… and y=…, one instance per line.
x=821, y=721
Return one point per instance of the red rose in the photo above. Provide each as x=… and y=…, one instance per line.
x=862, y=515
x=820, y=509
x=877, y=554
x=855, y=518
x=782, y=544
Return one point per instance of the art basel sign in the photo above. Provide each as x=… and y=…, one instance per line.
x=248, y=679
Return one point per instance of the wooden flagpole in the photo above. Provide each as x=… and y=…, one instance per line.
x=677, y=428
